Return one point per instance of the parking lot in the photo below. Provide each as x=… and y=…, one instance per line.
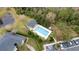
x=70, y=44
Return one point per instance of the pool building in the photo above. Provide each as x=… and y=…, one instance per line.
x=38, y=29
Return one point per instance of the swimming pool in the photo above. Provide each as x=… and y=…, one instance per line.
x=42, y=31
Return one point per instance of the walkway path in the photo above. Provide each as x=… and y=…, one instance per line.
x=30, y=47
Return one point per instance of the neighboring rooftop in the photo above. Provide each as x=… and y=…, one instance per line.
x=8, y=41
x=7, y=19
x=31, y=23
x=50, y=47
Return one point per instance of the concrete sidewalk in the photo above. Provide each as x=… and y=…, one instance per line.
x=30, y=47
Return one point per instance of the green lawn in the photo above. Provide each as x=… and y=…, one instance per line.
x=2, y=31
x=23, y=47
x=36, y=44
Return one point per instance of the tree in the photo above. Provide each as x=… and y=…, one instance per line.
x=51, y=17
x=65, y=14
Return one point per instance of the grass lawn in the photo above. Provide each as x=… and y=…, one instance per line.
x=24, y=47
x=2, y=11
x=51, y=38
x=2, y=31
x=36, y=44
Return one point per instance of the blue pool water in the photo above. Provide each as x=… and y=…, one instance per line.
x=42, y=31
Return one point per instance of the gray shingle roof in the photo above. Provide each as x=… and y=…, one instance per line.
x=8, y=41
x=7, y=19
x=31, y=23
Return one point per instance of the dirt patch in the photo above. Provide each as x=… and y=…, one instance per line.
x=63, y=31
x=58, y=33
